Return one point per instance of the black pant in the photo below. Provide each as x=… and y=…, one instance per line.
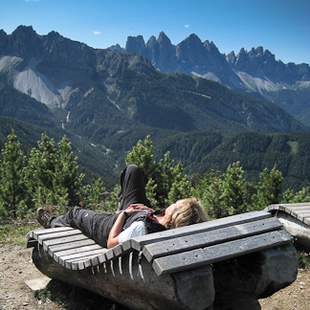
x=133, y=182
x=97, y=226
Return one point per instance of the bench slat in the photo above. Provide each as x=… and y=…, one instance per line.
x=200, y=240
x=78, y=264
x=48, y=243
x=300, y=211
x=59, y=235
x=138, y=242
x=110, y=254
x=220, y=252
x=64, y=258
x=291, y=205
x=77, y=250
x=69, y=245
x=44, y=231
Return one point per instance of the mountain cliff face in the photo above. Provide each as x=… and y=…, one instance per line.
x=256, y=71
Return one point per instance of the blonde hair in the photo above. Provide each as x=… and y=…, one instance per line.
x=188, y=212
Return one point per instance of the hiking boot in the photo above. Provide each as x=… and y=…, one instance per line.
x=44, y=217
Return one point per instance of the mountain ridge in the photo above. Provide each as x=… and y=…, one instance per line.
x=96, y=89
x=255, y=71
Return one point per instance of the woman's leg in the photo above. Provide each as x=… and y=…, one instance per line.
x=77, y=217
x=133, y=182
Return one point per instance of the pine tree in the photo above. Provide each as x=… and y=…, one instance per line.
x=40, y=172
x=210, y=192
x=142, y=155
x=67, y=176
x=52, y=173
x=12, y=190
x=269, y=188
x=234, y=189
x=93, y=194
x=181, y=186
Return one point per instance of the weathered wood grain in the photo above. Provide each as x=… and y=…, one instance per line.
x=56, y=235
x=44, y=231
x=138, y=242
x=300, y=211
x=68, y=258
x=81, y=249
x=195, y=258
x=200, y=240
x=69, y=245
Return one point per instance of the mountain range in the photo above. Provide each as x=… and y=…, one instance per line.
x=107, y=99
x=255, y=71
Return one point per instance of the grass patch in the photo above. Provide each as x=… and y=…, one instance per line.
x=304, y=260
x=15, y=232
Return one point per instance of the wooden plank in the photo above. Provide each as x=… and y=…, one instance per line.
x=303, y=214
x=200, y=240
x=219, y=252
x=69, y=245
x=288, y=205
x=83, y=263
x=78, y=264
x=52, y=242
x=300, y=210
x=82, y=249
x=62, y=259
x=138, y=242
x=59, y=235
x=118, y=250
x=44, y=231
x=110, y=254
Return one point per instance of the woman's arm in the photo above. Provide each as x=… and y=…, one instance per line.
x=116, y=230
x=119, y=223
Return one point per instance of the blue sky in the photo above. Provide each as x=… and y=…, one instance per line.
x=282, y=26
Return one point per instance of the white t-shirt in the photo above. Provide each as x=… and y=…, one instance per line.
x=134, y=230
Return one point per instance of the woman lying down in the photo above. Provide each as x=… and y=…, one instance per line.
x=133, y=218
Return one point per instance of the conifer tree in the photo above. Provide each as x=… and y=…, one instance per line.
x=12, y=189
x=40, y=172
x=269, y=188
x=67, y=176
x=92, y=194
x=234, y=189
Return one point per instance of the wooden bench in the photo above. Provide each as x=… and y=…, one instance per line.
x=177, y=269
x=296, y=220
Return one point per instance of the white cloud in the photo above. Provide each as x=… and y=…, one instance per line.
x=186, y=26
x=97, y=33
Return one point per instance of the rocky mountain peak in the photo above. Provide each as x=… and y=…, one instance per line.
x=24, y=31
x=24, y=42
x=54, y=35
x=151, y=41
x=163, y=38
x=136, y=45
x=211, y=47
x=117, y=48
x=231, y=57
x=2, y=33
x=193, y=39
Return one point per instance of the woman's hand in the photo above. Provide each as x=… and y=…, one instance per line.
x=136, y=207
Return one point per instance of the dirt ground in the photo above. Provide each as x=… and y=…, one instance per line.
x=16, y=267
